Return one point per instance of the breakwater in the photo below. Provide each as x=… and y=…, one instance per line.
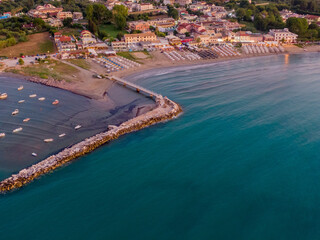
x=165, y=110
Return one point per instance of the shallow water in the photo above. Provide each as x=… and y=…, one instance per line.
x=242, y=162
x=49, y=121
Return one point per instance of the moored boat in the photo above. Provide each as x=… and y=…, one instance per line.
x=32, y=95
x=2, y=135
x=3, y=96
x=21, y=101
x=48, y=140
x=62, y=135
x=34, y=154
x=77, y=127
x=42, y=99
x=26, y=120
x=20, y=88
x=17, y=130
x=15, y=112
x=55, y=102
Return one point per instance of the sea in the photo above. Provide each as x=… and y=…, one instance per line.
x=48, y=121
x=241, y=162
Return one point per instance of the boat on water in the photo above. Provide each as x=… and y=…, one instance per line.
x=42, y=99
x=3, y=96
x=21, y=101
x=55, y=102
x=17, y=130
x=62, y=135
x=48, y=140
x=15, y=112
x=20, y=88
x=32, y=95
x=77, y=127
x=2, y=135
x=26, y=120
x=34, y=154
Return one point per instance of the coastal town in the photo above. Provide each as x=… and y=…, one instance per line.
x=122, y=35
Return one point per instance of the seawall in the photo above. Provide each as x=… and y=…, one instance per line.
x=165, y=110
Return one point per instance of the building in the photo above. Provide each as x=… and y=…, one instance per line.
x=245, y=37
x=63, y=15
x=54, y=22
x=140, y=37
x=166, y=27
x=77, y=16
x=43, y=11
x=139, y=26
x=283, y=35
x=85, y=33
x=119, y=46
x=144, y=7
x=312, y=18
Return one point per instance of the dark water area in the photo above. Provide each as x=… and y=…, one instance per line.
x=241, y=162
x=49, y=121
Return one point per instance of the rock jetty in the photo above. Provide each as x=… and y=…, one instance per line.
x=165, y=110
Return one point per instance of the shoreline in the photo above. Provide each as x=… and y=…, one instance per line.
x=154, y=65
x=165, y=110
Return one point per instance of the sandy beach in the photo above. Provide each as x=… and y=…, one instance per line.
x=160, y=61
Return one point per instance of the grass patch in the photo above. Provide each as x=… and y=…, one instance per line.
x=53, y=69
x=111, y=30
x=80, y=63
x=71, y=31
x=126, y=55
x=38, y=43
x=46, y=46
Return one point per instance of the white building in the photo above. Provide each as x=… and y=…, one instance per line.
x=283, y=35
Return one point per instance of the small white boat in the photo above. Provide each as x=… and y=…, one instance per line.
x=55, y=102
x=20, y=88
x=15, y=112
x=77, y=127
x=34, y=154
x=26, y=120
x=21, y=101
x=42, y=99
x=3, y=96
x=2, y=135
x=62, y=135
x=32, y=95
x=17, y=130
x=48, y=140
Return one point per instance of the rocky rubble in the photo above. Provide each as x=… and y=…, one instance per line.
x=165, y=110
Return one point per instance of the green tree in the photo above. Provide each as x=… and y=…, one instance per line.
x=120, y=35
x=172, y=12
x=241, y=13
x=20, y=61
x=297, y=25
x=120, y=10
x=67, y=22
x=120, y=14
x=120, y=22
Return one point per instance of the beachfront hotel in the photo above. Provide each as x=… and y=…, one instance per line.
x=140, y=37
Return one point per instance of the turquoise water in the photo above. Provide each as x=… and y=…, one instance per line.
x=242, y=162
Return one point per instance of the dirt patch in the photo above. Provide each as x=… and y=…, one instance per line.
x=139, y=55
x=38, y=43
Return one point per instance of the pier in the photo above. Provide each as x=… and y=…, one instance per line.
x=135, y=87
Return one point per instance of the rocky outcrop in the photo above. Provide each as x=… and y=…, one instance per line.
x=165, y=110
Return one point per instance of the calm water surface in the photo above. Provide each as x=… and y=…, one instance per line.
x=49, y=121
x=242, y=162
